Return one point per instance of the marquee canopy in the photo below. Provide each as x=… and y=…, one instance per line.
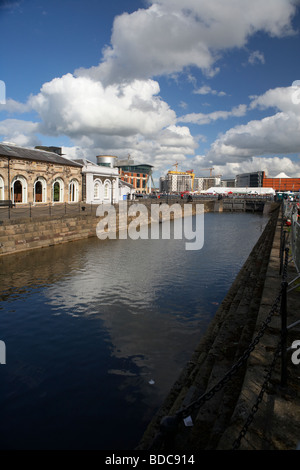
x=225, y=190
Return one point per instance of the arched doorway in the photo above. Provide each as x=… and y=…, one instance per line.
x=39, y=190
x=19, y=190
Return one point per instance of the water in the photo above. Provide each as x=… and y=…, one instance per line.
x=96, y=332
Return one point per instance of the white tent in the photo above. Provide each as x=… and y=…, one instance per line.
x=226, y=191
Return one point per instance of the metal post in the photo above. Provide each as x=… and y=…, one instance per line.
x=283, y=312
x=282, y=249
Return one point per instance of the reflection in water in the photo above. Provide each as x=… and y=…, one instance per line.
x=96, y=332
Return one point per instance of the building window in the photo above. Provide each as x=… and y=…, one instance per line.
x=73, y=191
x=39, y=190
x=107, y=188
x=1, y=188
x=58, y=190
x=97, y=190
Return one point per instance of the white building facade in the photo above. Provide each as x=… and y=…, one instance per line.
x=101, y=184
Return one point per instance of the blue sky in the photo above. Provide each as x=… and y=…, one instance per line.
x=210, y=83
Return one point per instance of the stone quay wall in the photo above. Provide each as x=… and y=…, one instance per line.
x=17, y=235
x=21, y=234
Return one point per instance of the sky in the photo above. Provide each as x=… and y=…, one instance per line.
x=195, y=83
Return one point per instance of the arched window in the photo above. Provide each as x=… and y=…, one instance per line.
x=73, y=191
x=107, y=190
x=97, y=187
x=40, y=190
x=19, y=189
x=58, y=190
x=1, y=188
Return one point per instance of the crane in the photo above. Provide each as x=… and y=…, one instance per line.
x=188, y=172
x=206, y=169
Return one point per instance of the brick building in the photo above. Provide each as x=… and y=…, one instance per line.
x=139, y=176
x=282, y=182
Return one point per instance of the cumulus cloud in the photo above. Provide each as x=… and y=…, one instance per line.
x=119, y=119
x=171, y=35
x=13, y=106
x=20, y=132
x=76, y=106
x=202, y=118
x=274, y=134
x=271, y=165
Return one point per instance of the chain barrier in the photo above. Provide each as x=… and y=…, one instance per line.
x=168, y=424
x=259, y=399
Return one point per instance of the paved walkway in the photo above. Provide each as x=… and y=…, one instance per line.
x=217, y=424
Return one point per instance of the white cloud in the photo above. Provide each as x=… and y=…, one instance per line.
x=202, y=118
x=119, y=119
x=256, y=57
x=81, y=106
x=276, y=134
x=12, y=106
x=20, y=132
x=170, y=36
x=271, y=165
x=207, y=90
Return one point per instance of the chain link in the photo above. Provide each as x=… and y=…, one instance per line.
x=259, y=399
x=181, y=414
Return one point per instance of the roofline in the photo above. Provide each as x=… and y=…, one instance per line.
x=65, y=161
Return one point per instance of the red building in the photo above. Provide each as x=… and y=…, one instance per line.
x=140, y=176
x=281, y=182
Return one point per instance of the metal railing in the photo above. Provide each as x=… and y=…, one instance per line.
x=291, y=236
x=37, y=210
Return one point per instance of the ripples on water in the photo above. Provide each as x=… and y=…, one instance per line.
x=96, y=332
